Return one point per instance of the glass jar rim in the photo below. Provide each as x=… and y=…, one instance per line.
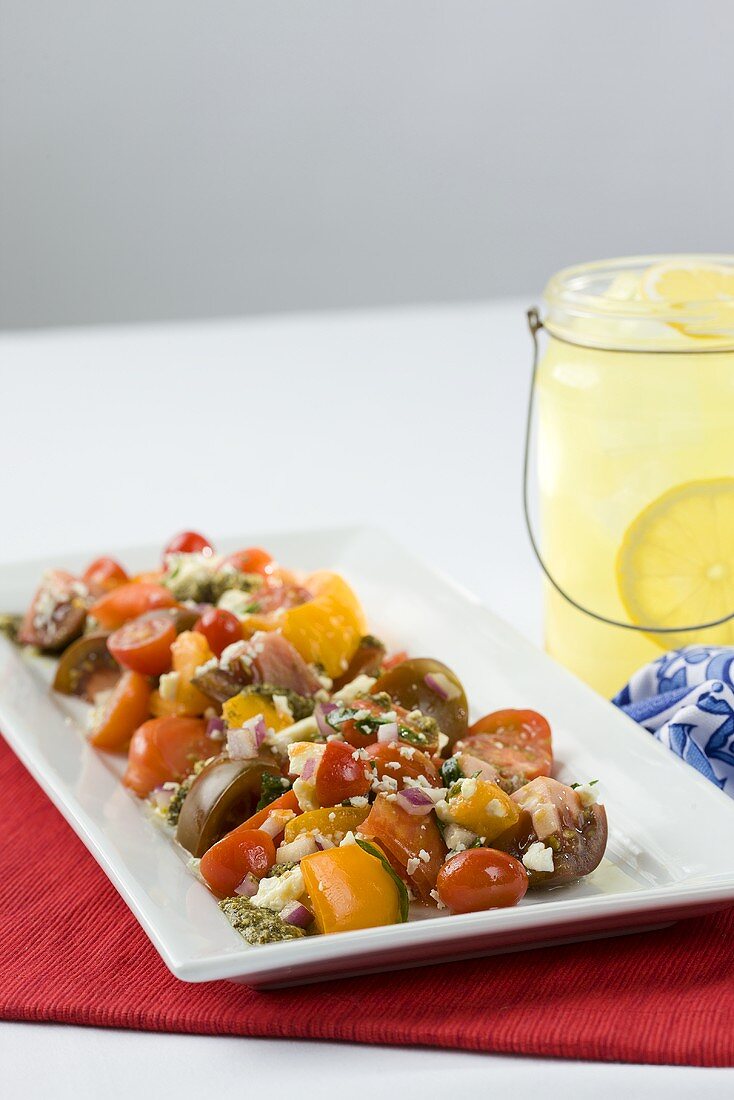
x=608, y=304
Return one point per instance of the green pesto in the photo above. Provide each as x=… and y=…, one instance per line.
x=272, y=787
x=257, y=925
x=301, y=707
x=174, y=806
x=210, y=588
x=10, y=625
x=279, y=869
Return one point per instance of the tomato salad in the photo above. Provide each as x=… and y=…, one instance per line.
x=318, y=783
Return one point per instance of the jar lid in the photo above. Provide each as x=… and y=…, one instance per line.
x=645, y=303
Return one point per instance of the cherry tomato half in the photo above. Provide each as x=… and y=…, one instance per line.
x=240, y=852
x=251, y=560
x=220, y=628
x=144, y=644
x=339, y=775
x=516, y=742
x=481, y=878
x=103, y=575
x=127, y=707
x=165, y=750
x=129, y=601
x=189, y=542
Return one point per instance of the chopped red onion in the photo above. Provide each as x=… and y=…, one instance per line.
x=214, y=726
x=441, y=685
x=320, y=713
x=275, y=822
x=309, y=768
x=388, y=732
x=162, y=796
x=415, y=800
x=295, y=913
x=244, y=743
x=297, y=849
x=323, y=842
x=248, y=887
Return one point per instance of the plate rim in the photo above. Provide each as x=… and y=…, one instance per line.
x=656, y=901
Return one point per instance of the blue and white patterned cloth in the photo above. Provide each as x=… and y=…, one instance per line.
x=686, y=700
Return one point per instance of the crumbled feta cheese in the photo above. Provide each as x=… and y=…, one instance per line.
x=302, y=751
x=457, y=838
x=275, y=893
x=280, y=740
x=586, y=794
x=208, y=666
x=168, y=686
x=538, y=857
x=468, y=788
x=412, y=865
x=283, y=707
x=424, y=856
x=361, y=685
x=496, y=807
x=394, y=765
x=350, y=838
x=359, y=801
x=436, y=898
x=236, y=602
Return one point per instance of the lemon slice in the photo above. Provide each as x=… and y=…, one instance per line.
x=706, y=289
x=675, y=566
x=681, y=282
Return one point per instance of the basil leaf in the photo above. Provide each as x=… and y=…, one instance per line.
x=403, y=899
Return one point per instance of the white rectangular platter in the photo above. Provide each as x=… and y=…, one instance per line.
x=669, y=856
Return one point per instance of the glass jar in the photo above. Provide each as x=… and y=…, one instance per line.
x=635, y=460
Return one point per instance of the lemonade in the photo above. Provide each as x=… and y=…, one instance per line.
x=636, y=459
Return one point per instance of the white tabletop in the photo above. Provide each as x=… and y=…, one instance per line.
x=409, y=419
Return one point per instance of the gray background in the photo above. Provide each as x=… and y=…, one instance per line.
x=183, y=158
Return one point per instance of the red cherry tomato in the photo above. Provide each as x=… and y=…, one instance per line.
x=103, y=575
x=516, y=742
x=481, y=878
x=165, y=750
x=128, y=602
x=220, y=628
x=240, y=852
x=144, y=644
x=339, y=775
x=252, y=560
x=399, y=760
x=189, y=542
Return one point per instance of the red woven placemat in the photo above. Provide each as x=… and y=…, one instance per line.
x=71, y=951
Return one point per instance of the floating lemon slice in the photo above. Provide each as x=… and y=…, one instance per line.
x=681, y=282
x=675, y=566
x=692, y=285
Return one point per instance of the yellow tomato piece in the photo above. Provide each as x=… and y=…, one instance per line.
x=349, y=889
x=484, y=808
x=240, y=708
x=333, y=822
x=190, y=650
x=327, y=629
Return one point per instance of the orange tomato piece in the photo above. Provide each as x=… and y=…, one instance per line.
x=126, y=708
x=128, y=601
x=326, y=630
x=165, y=750
x=349, y=889
x=189, y=650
